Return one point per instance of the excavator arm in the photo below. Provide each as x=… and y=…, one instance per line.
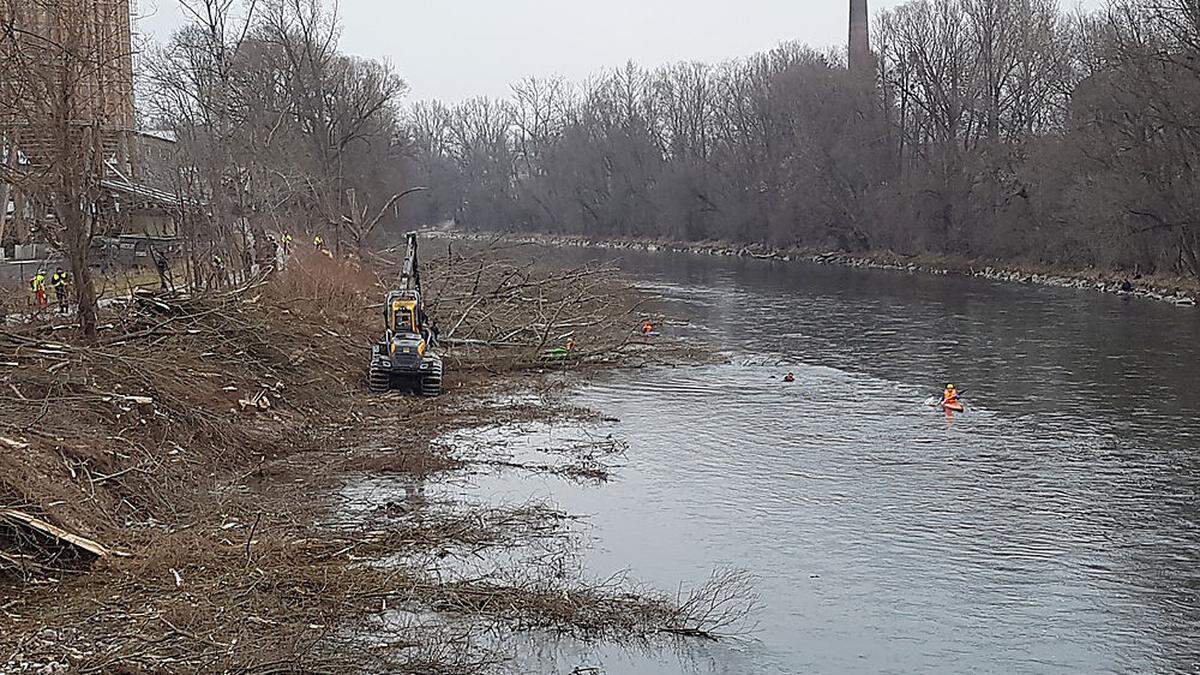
x=410, y=274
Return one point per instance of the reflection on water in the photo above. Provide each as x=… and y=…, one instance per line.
x=1052, y=528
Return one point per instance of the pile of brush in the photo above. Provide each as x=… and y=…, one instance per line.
x=503, y=307
x=178, y=388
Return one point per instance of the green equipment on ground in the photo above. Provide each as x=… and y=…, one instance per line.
x=404, y=359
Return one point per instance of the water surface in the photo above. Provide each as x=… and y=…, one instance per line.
x=1051, y=529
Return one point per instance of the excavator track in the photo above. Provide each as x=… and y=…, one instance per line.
x=378, y=381
x=431, y=383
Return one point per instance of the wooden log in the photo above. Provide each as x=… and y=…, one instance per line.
x=22, y=519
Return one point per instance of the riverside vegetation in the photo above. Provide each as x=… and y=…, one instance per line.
x=179, y=495
x=1008, y=133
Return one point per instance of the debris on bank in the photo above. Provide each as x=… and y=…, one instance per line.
x=168, y=493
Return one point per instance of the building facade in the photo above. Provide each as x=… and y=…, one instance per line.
x=67, y=80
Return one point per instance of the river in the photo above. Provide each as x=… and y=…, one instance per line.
x=1053, y=528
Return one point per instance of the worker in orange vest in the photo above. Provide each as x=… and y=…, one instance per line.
x=950, y=398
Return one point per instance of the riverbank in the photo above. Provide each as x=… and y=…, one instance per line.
x=185, y=494
x=1179, y=291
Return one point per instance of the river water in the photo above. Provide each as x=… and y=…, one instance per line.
x=1053, y=528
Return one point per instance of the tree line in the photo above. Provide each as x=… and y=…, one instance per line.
x=1005, y=129
x=997, y=129
x=277, y=129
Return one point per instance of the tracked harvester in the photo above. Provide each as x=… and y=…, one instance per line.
x=405, y=359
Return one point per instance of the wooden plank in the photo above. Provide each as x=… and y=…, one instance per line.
x=93, y=547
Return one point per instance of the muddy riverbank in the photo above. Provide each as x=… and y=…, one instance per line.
x=186, y=495
x=1180, y=291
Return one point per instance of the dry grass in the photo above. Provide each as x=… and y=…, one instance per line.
x=119, y=430
x=613, y=608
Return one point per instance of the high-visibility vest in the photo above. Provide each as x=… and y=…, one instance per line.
x=59, y=280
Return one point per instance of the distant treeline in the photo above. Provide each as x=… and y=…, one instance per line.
x=1002, y=129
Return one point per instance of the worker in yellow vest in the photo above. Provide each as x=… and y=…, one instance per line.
x=38, y=286
x=58, y=281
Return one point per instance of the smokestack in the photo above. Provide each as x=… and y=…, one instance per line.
x=861, y=59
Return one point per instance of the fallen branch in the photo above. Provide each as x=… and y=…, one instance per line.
x=20, y=518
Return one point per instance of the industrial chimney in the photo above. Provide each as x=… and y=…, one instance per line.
x=862, y=61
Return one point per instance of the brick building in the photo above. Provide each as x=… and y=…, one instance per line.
x=99, y=76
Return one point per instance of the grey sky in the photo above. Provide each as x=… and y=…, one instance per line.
x=454, y=49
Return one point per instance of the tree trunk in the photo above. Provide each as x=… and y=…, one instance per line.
x=6, y=146
x=77, y=242
x=1189, y=245
x=20, y=227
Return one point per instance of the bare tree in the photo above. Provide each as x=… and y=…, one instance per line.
x=285, y=133
x=62, y=69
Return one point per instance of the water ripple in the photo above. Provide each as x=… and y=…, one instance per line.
x=1055, y=527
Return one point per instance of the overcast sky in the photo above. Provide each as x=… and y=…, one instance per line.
x=455, y=49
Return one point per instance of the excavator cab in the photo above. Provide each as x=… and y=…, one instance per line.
x=404, y=358
x=400, y=314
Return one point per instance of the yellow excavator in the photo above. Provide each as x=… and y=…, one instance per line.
x=405, y=359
